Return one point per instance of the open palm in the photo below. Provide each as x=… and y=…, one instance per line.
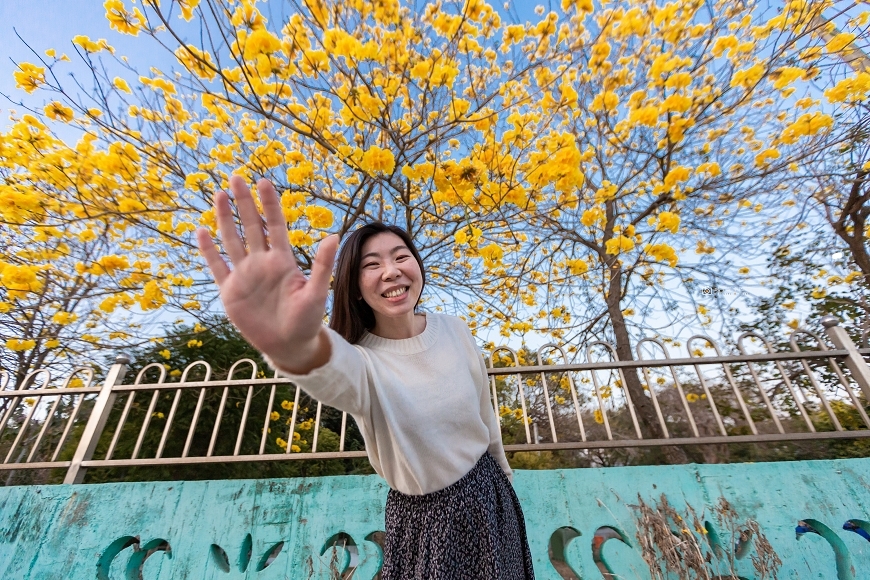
x=277, y=309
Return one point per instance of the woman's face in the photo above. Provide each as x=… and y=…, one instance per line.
x=390, y=279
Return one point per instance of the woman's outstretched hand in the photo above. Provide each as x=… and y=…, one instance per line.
x=265, y=295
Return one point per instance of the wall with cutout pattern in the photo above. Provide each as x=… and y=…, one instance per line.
x=814, y=517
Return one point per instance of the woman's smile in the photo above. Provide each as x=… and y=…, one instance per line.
x=396, y=294
x=390, y=282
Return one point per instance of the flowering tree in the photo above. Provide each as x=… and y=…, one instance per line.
x=560, y=175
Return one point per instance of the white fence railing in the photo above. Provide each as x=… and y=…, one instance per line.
x=705, y=398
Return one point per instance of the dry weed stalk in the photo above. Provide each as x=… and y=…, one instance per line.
x=676, y=545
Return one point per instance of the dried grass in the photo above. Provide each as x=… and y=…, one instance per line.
x=680, y=545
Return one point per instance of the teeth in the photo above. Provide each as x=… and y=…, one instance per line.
x=394, y=293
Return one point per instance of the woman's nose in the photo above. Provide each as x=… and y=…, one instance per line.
x=391, y=271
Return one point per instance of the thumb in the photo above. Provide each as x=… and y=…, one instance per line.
x=321, y=269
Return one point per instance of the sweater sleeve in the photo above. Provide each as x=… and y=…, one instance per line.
x=343, y=382
x=490, y=418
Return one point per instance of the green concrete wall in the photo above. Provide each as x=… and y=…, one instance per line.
x=227, y=529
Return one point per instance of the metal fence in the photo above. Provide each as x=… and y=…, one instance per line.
x=544, y=403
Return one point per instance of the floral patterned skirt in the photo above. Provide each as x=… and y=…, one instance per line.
x=473, y=529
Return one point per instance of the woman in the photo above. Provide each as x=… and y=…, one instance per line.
x=415, y=383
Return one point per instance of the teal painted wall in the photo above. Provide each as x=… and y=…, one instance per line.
x=81, y=531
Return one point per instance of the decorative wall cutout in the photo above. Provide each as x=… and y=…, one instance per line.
x=559, y=541
x=346, y=556
x=137, y=560
x=270, y=556
x=222, y=560
x=845, y=570
x=141, y=553
x=349, y=564
x=104, y=562
x=860, y=527
x=602, y=536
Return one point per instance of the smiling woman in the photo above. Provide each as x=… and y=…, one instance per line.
x=415, y=383
x=377, y=262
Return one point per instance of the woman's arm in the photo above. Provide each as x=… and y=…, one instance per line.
x=275, y=307
x=342, y=381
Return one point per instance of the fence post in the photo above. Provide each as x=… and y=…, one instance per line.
x=97, y=420
x=854, y=361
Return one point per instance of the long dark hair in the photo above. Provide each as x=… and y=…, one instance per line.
x=351, y=317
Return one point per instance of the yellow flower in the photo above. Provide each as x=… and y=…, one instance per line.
x=840, y=41
x=818, y=293
x=64, y=318
x=648, y=116
x=377, y=160
x=676, y=175
x=274, y=416
x=608, y=100
x=762, y=158
x=299, y=238
x=121, y=85
x=20, y=345
x=319, y=217
x=492, y=255
x=668, y=221
x=281, y=443
x=749, y=77
x=108, y=265
x=152, y=296
x=261, y=41
x=576, y=266
x=744, y=270
x=29, y=77
x=175, y=373
x=187, y=8
x=193, y=343
x=692, y=398
x=121, y=20
x=295, y=448
x=619, y=244
x=598, y=416
x=592, y=216
x=157, y=415
x=19, y=280
x=59, y=112
x=662, y=253
x=287, y=405
x=52, y=343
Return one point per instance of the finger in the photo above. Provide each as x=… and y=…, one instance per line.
x=209, y=251
x=275, y=221
x=252, y=221
x=321, y=269
x=233, y=244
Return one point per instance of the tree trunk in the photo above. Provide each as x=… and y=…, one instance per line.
x=643, y=405
x=855, y=210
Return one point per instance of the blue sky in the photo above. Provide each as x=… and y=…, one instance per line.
x=47, y=24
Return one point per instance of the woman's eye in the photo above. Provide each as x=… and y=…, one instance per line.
x=402, y=257
x=370, y=264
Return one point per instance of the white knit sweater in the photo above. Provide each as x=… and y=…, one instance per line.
x=423, y=404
